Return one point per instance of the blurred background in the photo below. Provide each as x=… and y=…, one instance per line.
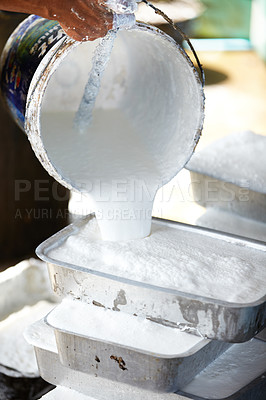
x=230, y=39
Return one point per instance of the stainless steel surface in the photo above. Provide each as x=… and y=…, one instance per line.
x=101, y=389
x=236, y=369
x=120, y=363
x=211, y=318
x=255, y=390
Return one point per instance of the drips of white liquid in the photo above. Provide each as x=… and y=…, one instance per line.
x=100, y=60
x=106, y=159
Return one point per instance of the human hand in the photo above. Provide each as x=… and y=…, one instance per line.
x=90, y=19
x=81, y=19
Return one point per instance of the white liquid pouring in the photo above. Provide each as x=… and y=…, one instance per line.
x=123, y=203
x=143, y=129
x=102, y=54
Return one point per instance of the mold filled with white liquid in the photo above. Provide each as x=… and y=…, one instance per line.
x=123, y=329
x=172, y=258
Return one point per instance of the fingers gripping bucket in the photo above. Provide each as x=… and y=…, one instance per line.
x=150, y=88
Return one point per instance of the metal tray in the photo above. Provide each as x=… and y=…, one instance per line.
x=101, y=389
x=228, y=196
x=211, y=318
x=42, y=337
x=241, y=190
x=241, y=368
x=148, y=369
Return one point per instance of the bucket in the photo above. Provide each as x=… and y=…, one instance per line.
x=147, y=118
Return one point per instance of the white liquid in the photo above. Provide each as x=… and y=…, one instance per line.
x=122, y=6
x=102, y=54
x=123, y=329
x=117, y=170
x=171, y=258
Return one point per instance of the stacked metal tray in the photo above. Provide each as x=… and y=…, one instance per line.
x=123, y=359
x=107, y=368
x=208, y=317
x=251, y=387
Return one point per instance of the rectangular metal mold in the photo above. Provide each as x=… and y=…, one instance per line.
x=52, y=371
x=255, y=390
x=211, y=318
x=99, y=388
x=228, y=196
x=239, y=370
x=144, y=369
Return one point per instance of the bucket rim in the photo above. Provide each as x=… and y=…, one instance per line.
x=39, y=83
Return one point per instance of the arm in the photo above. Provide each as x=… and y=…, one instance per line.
x=80, y=19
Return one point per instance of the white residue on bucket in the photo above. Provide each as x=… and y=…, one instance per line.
x=100, y=60
x=172, y=258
